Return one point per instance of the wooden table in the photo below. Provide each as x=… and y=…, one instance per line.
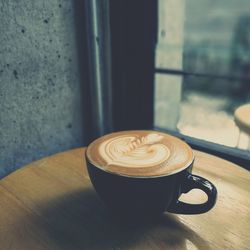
x=50, y=204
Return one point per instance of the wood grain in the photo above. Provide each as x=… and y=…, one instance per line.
x=50, y=204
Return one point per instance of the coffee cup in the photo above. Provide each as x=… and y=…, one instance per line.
x=144, y=172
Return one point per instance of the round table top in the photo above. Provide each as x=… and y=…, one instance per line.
x=242, y=117
x=50, y=204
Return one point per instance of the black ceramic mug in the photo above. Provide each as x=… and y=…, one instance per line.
x=146, y=194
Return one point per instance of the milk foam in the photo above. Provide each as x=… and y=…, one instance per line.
x=134, y=151
x=140, y=153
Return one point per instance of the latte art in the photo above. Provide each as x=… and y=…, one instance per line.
x=140, y=153
x=132, y=151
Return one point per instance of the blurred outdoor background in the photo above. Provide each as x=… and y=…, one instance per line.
x=210, y=42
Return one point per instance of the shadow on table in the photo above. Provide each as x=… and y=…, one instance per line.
x=79, y=220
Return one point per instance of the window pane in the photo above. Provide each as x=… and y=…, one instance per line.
x=217, y=36
x=209, y=115
x=208, y=43
x=168, y=97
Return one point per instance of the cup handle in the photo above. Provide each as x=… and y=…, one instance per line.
x=193, y=181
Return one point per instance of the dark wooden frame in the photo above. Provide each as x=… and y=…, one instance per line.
x=133, y=26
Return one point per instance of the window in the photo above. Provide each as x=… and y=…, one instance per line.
x=203, y=68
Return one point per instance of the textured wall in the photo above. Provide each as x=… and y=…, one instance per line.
x=40, y=88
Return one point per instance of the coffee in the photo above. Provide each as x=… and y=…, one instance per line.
x=143, y=173
x=140, y=153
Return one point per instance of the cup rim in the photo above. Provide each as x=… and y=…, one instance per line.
x=189, y=163
x=138, y=177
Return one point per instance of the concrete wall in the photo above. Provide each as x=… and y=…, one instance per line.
x=41, y=109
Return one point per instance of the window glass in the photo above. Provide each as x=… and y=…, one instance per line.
x=206, y=44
